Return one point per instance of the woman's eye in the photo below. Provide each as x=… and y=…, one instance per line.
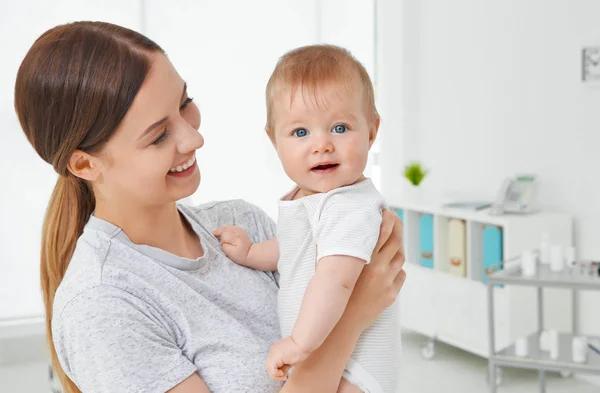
x=161, y=138
x=300, y=133
x=186, y=103
x=340, y=129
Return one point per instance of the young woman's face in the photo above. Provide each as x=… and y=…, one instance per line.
x=145, y=161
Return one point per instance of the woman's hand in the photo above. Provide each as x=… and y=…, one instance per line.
x=381, y=280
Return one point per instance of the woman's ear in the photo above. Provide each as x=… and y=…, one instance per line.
x=83, y=165
x=374, y=130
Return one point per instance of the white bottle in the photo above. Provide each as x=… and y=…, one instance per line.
x=545, y=249
x=522, y=347
x=580, y=349
x=557, y=257
x=528, y=263
x=553, y=343
x=545, y=340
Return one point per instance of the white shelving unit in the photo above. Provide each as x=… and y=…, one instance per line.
x=538, y=359
x=454, y=309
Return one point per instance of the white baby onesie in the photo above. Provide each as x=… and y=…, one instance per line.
x=344, y=221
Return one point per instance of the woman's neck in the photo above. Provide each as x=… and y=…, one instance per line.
x=157, y=226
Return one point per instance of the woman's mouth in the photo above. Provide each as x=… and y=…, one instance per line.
x=325, y=168
x=184, y=169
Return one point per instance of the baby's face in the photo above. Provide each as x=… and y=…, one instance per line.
x=322, y=147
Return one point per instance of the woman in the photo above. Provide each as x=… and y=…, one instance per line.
x=139, y=296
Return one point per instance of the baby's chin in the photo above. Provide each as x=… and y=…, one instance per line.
x=323, y=185
x=320, y=188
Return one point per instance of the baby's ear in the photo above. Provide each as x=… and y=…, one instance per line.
x=270, y=135
x=374, y=130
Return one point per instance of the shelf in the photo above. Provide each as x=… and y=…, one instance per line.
x=540, y=360
x=450, y=301
x=436, y=208
x=567, y=278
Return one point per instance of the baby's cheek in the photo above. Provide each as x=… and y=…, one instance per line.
x=292, y=169
x=358, y=153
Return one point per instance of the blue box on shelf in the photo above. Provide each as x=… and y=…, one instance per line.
x=492, y=250
x=426, y=240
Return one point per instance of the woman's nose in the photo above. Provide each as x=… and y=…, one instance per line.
x=190, y=139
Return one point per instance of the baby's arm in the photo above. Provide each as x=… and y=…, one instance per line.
x=264, y=256
x=325, y=299
x=239, y=248
x=324, y=303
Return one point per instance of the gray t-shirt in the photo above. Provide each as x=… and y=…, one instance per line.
x=131, y=318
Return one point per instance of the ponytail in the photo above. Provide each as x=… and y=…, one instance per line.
x=72, y=91
x=70, y=207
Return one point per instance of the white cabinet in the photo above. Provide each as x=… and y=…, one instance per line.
x=453, y=308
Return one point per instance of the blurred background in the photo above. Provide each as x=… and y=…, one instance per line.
x=474, y=90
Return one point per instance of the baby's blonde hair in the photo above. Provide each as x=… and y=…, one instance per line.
x=313, y=68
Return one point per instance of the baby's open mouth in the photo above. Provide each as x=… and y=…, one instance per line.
x=324, y=167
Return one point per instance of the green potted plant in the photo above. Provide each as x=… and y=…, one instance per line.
x=415, y=174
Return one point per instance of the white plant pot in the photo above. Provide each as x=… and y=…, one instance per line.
x=413, y=194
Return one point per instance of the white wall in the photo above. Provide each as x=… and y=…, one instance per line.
x=483, y=90
x=351, y=24
x=26, y=181
x=225, y=50
x=227, y=58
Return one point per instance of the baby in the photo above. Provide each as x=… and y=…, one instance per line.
x=322, y=120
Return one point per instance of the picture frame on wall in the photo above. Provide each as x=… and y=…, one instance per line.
x=590, y=65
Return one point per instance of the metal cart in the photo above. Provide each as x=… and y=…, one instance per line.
x=538, y=359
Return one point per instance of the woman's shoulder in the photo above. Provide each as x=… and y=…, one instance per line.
x=97, y=256
x=85, y=267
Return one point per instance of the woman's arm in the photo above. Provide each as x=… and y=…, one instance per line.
x=138, y=356
x=193, y=384
x=375, y=290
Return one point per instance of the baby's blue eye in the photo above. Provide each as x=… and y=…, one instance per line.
x=340, y=129
x=300, y=132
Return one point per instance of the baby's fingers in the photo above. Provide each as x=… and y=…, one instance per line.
x=224, y=230
x=285, y=369
x=274, y=371
x=228, y=237
x=229, y=249
x=279, y=375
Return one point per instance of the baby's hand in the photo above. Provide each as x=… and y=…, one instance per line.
x=284, y=354
x=235, y=243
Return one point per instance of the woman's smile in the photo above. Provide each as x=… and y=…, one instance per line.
x=184, y=170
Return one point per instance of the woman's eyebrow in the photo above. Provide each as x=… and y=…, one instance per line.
x=153, y=126
x=161, y=121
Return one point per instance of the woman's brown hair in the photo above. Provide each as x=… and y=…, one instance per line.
x=73, y=88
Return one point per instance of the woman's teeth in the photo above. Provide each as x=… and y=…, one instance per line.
x=185, y=166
